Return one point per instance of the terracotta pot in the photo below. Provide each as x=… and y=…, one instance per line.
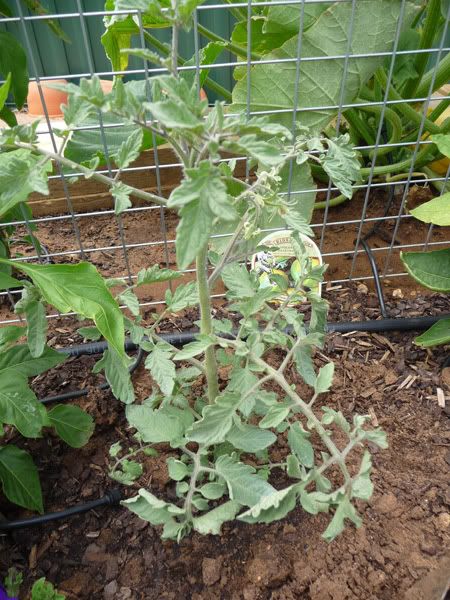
x=53, y=99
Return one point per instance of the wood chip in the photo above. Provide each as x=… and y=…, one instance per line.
x=440, y=397
x=405, y=382
x=373, y=417
x=32, y=559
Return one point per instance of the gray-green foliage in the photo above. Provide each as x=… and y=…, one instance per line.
x=221, y=438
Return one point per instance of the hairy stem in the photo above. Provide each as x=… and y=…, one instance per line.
x=234, y=48
x=109, y=181
x=206, y=323
x=192, y=485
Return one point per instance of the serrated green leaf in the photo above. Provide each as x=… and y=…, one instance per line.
x=155, y=426
x=362, y=487
x=315, y=502
x=430, y=269
x=117, y=375
x=211, y=522
x=293, y=467
x=129, y=473
x=43, y=589
x=345, y=510
x=378, y=437
x=21, y=173
x=149, y=508
x=250, y=438
x=265, y=153
x=72, y=424
x=131, y=301
x=300, y=445
x=129, y=149
x=162, y=368
x=435, y=211
x=121, y=194
x=271, y=508
x=324, y=378
x=36, y=328
x=341, y=164
x=185, y=295
x=20, y=479
x=244, y=485
x=81, y=289
x=193, y=232
x=216, y=421
x=202, y=343
x=240, y=283
x=275, y=415
x=438, y=334
x=174, y=115
x=155, y=274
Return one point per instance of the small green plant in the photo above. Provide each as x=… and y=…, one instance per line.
x=432, y=269
x=220, y=437
x=41, y=590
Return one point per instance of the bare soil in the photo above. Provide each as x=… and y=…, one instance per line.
x=401, y=551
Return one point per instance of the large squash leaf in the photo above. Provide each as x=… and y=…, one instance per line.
x=431, y=269
x=374, y=29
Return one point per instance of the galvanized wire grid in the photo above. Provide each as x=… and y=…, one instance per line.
x=323, y=225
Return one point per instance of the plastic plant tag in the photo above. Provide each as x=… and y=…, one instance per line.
x=280, y=268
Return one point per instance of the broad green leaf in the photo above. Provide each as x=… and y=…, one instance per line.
x=20, y=174
x=244, y=485
x=149, y=508
x=324, y=378
x=211, y=522
x=13, y=60
x=240, y=282
x=202, y=343
x=193, y=232
x=162, y=368
x=378, y=437
x=10, y=334
x=4, y=91
x=286, y=18
x=154, y=426
x=129, y=149
x=442, y=141
x=5, y=10
x=436, y=211
x=8, y=116
x=117, y=374
x=184, y=296
x=7, y=282
x=272, y=86
x=300, y=445
x=275, y=416
x=430, y=269
x=177, y=469
x=20, y=479
x=272, y=507
x=212, y=491
x=216, y=421
x=250, y=438
x=293, y=468
x=155, y=274
x=36, y=327
x=89, y=333
x=345, y=510
x=438, y=334
x=121, y=194
x=315, y=502
x=206, y=56
x=81, y=289
x=261, y=42
x=19, y=405
x=72, y=424
x=19, y=361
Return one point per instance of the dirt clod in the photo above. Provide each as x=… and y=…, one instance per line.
x=211, y=570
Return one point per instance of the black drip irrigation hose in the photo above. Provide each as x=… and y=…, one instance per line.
x=376, y=276
x=111, y=498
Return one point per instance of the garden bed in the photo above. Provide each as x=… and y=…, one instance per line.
x=406, y=526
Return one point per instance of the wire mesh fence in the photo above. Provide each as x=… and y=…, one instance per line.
x=85, y=226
